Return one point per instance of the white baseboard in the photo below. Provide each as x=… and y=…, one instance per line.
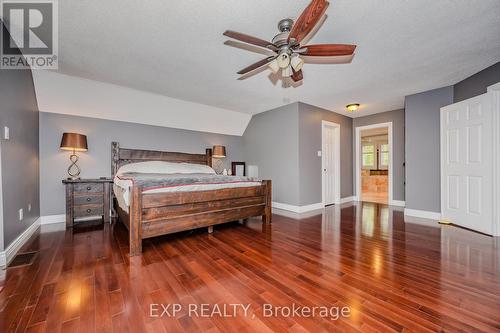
x=423, y=214
x=347, y=199
x=50, y=219
x=297, y=209
x=9, y=253
x=398, y=203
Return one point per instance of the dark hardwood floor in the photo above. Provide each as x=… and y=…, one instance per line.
x=393, y=276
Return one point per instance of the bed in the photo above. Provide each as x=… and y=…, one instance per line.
x=163, y=205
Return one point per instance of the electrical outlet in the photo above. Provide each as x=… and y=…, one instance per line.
x=21, y=214
x=6, y=133
x=319, y=153
x=29, y=207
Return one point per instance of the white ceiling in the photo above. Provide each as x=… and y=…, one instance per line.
x=176, y=49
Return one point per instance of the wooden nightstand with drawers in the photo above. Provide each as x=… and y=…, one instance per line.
x=87, y=198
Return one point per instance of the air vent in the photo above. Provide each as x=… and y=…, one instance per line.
x=23, y=259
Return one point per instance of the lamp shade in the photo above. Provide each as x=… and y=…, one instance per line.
x=219, y=152
x=74, y=141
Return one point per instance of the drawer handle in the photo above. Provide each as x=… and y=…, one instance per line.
x=89, y=199
x=89, y=188
x=89, y=210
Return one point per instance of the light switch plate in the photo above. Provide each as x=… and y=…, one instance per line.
x=21, y=214
x=6, y=133
x=319, y=153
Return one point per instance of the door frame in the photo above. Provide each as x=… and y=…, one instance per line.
x=494, y=90
x=336, y=147
x=1, y=204
x=357, y=158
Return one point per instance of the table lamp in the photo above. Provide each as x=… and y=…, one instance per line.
x=218, y=153
x=74, y=142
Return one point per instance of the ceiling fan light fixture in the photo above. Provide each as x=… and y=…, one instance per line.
x=289, y=47
x=283, y=60
x=297, y=62
x=352, y=107
x=287, y=72
x=273, y=66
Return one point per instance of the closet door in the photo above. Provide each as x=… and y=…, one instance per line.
x=467, y=163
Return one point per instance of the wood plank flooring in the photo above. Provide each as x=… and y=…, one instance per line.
x=375, y=197
x=393, y=276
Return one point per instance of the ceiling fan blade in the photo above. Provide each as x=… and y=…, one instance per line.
x=258, y=64
x=328, y=50
x=308, y=20
x=249, y=39
x=297, y=76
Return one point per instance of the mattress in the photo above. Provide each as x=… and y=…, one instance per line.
x=169, y=183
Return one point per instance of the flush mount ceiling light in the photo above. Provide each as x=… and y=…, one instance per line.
x=288, y=53
x=352, y=107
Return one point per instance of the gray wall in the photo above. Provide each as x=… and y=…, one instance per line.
x=20, y=167
x=397, y=117
x=476, y=84
x=423, y=163
x=271, y=142
x=97, y=161
x=310, y=186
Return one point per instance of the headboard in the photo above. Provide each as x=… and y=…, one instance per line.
x=124, y=156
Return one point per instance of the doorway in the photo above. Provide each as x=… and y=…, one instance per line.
x=374, y=163
x=330, y=162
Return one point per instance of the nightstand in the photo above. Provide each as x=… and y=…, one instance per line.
x=87, y=198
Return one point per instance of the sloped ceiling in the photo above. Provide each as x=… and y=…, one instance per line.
x=176, y=49
x=58, y=93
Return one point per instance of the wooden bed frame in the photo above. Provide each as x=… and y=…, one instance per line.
x=158, y=214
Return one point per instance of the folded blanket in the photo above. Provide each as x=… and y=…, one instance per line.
x=151, y=181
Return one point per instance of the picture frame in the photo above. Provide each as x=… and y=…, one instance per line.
x=238, y=169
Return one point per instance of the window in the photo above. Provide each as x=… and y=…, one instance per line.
x=384, y=156
x=368, y=156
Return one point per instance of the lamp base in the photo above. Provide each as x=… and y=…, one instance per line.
x=74, y=169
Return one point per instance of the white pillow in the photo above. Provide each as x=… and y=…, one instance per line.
x=165, y=167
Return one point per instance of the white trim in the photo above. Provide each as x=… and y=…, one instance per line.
x=358, y=156
x=50, y=219
x=336, y=126
x=494, y=90
x=422, y=214
x=348, y=199
x=297, y=209
x=53, y=219
x=398, y=203
x=296, y=216
x=422, y=221
x=10, y=252
x=1, y=201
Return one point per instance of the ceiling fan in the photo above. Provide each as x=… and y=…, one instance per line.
x=286, y=45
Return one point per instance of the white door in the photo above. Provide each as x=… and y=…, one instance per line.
x=331, y=163
x=466, y=163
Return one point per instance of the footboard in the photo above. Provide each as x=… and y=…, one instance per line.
x=158, y=214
